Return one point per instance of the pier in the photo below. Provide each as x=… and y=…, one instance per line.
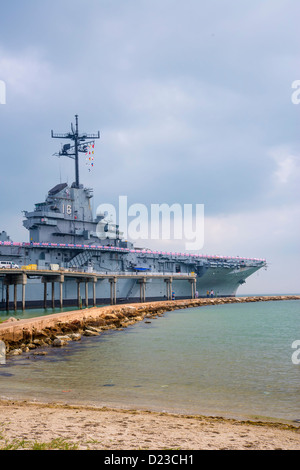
x=16, y=277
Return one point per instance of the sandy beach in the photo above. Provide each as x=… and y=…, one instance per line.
x=26, y=425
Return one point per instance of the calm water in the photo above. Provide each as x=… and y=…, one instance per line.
x=231, y=360
x=34, y=312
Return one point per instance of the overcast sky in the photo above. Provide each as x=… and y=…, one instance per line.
x=193, y=103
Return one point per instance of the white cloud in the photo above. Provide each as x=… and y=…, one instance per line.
x=255, y=233
x=282, y=185
x=26, y=74
x=287, y=167
x=272, y=234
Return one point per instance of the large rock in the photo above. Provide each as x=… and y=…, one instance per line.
x=58, y=342
x=10, y=319
x=110, y=316
x=75, y=336
x=15, y=352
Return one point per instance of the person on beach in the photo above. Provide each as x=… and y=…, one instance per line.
x=211, y=293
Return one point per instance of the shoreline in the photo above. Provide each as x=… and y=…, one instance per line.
x=27, y=424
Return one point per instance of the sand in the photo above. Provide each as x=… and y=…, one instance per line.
x=25, y=424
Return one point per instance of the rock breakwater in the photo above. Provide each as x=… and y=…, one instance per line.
x=58, y=329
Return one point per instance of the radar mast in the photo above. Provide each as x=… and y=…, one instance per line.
x=80, y=145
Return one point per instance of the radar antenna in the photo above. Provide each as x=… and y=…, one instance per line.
x=80, y=145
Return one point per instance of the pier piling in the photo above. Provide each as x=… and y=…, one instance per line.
x=113, y=290
x=45, y=294
x=142, y=283
x=15, y=296
x=86, y=293
x=94, y=291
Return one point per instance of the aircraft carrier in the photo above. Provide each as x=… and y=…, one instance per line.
x=64, y=235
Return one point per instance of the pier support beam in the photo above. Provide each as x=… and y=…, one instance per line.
x=23, y=295
x=53, y=279
x=45, y=294
x=94, y=291
x=142, y=283
x=15, y=296
x=61, y=294
x=78, y=295
x=15, y=279
x=168, y=282
x=53, y=294
x=7, y=297
x=113, y=290
x=86, y=293
x=193, y=287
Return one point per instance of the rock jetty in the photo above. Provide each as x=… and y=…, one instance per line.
x=58, y=329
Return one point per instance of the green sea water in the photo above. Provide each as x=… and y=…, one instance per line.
x=232, y=360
